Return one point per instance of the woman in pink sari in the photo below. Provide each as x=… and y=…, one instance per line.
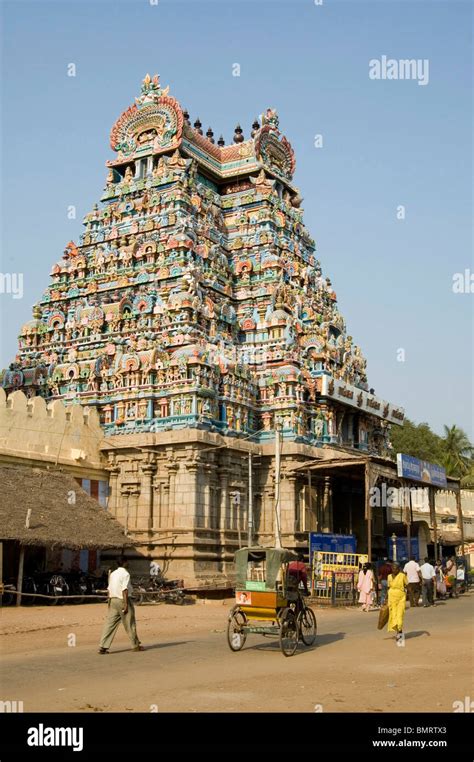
x=366, y=586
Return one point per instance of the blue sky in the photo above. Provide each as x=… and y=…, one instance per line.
x=386, y=143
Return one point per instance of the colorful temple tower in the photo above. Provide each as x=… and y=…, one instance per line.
x=194, y=315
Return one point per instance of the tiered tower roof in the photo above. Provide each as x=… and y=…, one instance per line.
x=194, y=296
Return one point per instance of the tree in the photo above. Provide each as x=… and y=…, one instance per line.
x=453, y=451
x=458, y=452
x=418, y=441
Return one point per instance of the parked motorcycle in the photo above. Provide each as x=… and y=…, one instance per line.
x=158, y=590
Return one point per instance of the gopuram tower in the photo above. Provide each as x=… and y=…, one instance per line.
x=194, y=315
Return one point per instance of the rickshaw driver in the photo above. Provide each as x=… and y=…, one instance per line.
x=297, y=569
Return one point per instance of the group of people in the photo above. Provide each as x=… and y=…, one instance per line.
x=426, y=578
x=434, y=581
x=395, y=584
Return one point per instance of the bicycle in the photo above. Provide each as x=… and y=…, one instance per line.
x=305, y=619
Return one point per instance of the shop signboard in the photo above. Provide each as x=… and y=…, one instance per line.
x=331, y=543
x=417, y=470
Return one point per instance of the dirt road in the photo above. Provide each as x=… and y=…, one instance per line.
x=50, y=662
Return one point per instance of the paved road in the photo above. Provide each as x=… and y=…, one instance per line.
x=353, y=666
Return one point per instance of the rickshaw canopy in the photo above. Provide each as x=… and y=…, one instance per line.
x=274, y=558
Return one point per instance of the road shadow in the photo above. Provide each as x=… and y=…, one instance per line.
x=152, y=647
x=272, y=644
x=329, y=637
x=414, y=634
x=417, y=634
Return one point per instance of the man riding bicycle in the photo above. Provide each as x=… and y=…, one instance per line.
x=297, y=574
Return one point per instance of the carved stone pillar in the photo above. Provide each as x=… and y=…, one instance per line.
x=145, y=508
x=224, y=507
x=165, y=522
x=326, y=518
x=112, y=503
x=288, y=505
x=172, y=508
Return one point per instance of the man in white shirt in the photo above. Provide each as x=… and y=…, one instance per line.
x=120, y=609
x=412, y=570
x=428, y=580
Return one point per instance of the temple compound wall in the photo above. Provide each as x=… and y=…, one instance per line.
x=34, y=432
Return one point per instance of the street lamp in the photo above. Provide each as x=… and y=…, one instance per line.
x=394, y=546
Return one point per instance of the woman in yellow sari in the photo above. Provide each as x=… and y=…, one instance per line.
x=397, y=598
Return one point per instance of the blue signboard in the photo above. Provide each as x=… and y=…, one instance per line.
x=409, y=467
x=331, y=543
x=402, y=549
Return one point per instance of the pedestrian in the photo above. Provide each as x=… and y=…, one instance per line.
x=366, y=586
x=452, y=571
x=412, y=570
x=461, y=577
x=440, y=583
x=428, y=582
x=384, y=571
x=120, y=608
x=397, y=598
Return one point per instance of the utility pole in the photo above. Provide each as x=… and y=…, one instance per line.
x=250, y=504
x=434, y=523
x=277, y=486
x=408, y=520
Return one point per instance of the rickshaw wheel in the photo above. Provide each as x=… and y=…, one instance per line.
x=307, y=626
x=289, y=632
x=235, y=636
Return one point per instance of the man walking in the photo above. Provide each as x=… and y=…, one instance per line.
x=120, y=609
x=428, y=581
x=412, y=570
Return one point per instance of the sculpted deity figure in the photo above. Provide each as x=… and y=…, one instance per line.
x=126, y=256
x=160, y=169
x=319, y=427
x=99, y=260
x=331, y=423
x=128, y=175
x=176, y=161
x=117, y=379
x=261, y=183
x=92, y=380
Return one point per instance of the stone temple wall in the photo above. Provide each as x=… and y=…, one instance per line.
x=183, y=496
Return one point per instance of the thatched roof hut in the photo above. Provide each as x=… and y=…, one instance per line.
x=62, y=515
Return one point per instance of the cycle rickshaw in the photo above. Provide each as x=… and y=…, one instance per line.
x=268, y=601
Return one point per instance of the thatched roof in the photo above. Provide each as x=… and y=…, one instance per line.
x=62, y=513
